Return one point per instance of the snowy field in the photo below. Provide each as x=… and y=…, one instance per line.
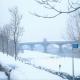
x=51, y=62
x=22, y=71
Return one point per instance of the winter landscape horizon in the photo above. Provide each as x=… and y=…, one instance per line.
x=39, y=40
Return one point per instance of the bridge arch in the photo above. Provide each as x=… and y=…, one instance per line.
x=46, y=45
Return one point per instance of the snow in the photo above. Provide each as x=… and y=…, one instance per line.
x=3, y=76
x=22, y=71
x=51, y=61
x=30, y=73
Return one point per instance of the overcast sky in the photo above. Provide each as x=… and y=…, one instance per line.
x=35, y=28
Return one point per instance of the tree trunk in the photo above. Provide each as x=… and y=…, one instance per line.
x=15, y=43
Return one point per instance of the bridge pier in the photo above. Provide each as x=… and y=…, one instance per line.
x=60, y=48
x=31, y=47
x=45, y=45
x=45, y=49
x=20, y=48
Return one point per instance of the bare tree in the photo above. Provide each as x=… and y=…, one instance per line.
x=57, y=7
x=7, y=33
x=16, y=28
x=2, y=40
x=73, y=28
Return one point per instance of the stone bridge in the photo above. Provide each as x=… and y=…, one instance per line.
x=46, y=43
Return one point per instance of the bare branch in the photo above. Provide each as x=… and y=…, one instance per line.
x=40, y=2
x=71, y=6
x=45, y=16
x=52, y=7
x=47, y=4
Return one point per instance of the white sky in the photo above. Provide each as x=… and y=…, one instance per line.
x=35, y=29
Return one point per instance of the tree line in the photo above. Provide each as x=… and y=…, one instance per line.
x=10, y=33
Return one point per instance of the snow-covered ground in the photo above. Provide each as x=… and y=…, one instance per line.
x=51, y=61
x=22, y=71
